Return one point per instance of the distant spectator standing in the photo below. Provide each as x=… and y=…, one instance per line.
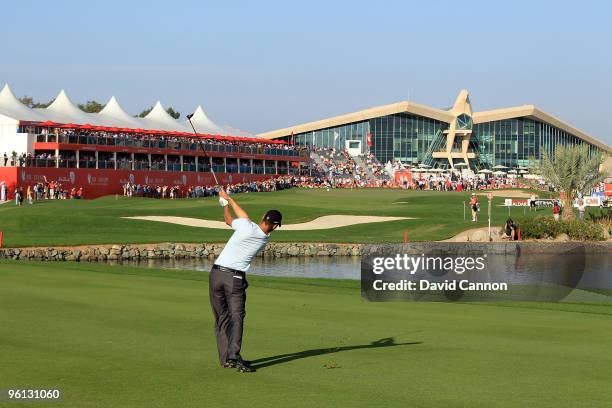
x=18, y=196
x=532, y=203
x=556, y=210
x=5, y=159
x=475, y=206
x=581, y=208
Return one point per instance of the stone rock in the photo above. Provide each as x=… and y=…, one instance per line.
x=176, y=251
x=293, y=250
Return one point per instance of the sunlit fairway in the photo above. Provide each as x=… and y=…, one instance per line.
x=439, y=215
x=111, y=336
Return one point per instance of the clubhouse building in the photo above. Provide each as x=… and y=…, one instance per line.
x=418, y=134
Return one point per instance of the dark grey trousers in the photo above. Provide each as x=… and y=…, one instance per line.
x=227, y=291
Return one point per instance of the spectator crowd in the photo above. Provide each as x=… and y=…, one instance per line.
x=47, y=190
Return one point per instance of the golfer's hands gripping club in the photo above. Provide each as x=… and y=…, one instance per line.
x=238, y=211
x=223, y=198
x=223, y=194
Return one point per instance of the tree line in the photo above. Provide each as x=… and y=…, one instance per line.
x=92, y=106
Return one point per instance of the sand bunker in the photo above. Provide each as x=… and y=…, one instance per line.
x=477, y=235
x=325, y=222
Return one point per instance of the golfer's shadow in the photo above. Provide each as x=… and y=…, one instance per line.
x=285, y=358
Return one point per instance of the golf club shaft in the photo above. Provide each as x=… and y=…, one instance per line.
x=204, y=151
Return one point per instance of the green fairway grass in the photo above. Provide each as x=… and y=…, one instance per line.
x=112, y=336
x=75, y=222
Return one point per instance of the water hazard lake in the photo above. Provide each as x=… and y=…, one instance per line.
x=596, y=268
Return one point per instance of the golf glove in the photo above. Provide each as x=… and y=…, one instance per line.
x=223, y=202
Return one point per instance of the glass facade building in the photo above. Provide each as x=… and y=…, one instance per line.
x=412, y=139
x=401, y=136
x=417, y=134
x=518, y=142
x=405, y=137
x=335, y=136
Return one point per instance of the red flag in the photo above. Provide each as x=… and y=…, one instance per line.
x=369, y=139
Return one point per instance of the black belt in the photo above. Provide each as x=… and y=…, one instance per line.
x=228, y=270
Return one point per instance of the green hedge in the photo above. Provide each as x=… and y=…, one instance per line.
x=546, y=227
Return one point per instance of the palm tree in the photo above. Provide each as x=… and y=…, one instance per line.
x=572, y=171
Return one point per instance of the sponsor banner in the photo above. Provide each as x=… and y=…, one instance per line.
x=591, y=201
x=100, y=182
x=544, y=202
x=516, y=202
x=8, y=176
x=522, y=202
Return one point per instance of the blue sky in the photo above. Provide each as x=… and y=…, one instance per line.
x=270, y=64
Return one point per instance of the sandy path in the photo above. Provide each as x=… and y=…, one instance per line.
x=507, y=193
x=325, y=222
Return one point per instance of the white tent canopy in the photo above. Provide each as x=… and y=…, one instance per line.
x=11, y=106
x=63, y=111
x=158, y=118
x=203, y=124
x=114, y=115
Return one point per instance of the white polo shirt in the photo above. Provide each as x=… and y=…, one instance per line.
x=247, y=239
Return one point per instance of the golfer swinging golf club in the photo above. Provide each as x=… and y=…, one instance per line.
x=228, y=284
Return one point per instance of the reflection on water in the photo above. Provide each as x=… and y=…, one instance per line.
x=338, y=267
x=596, y=268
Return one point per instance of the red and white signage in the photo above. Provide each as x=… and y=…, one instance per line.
x=99, y=182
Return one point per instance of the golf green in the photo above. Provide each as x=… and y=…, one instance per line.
x=111, y=336
x=438, y=215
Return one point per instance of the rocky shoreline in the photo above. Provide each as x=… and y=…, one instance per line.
x=96, y=253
